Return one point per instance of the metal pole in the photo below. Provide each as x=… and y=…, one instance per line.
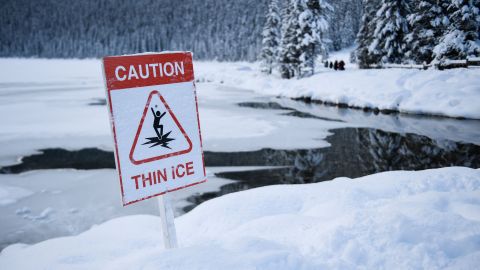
x=168, y=223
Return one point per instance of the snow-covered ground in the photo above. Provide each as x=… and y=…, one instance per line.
x=394, y=220
x=452, y=93
x=55, y=103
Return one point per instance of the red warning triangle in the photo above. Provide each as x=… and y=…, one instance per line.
x=159, y=135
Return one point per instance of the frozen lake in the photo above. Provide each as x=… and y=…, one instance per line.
x=57, y=174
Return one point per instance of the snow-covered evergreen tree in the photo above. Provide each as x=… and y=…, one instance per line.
x=271, y=38
x=303, y=36
x=427, y=23
x=211, y=29
x=344, y=22
x=313, y=26
x=365, y=35
x=290, y=50
x=390, y=29
x=460, y=40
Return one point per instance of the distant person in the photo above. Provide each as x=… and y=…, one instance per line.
x=326, y=64
x=331, y=65
x=341, y=65
x=335, y=65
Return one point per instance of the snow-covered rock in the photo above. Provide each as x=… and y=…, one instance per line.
x=394, y=220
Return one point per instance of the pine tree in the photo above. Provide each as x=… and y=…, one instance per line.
x=365, y=34
x=390, y=29
x=344, y=22
x=271, y=38
x=313, y=26
x=289, y=50
x=427, y=22
x=461, y=38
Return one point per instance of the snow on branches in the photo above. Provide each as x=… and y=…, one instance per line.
x=271, y=38
x=313, y=22
x=390, y=30
x=304, y=27
x=460, y=39
x=418, y=31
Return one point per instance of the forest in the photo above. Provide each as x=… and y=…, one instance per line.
x=211, y=29
x=392, y=32
x=418, y=31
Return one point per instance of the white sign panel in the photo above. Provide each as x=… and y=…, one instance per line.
x=154, y=115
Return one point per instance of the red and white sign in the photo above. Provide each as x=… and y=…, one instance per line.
x=156, y=129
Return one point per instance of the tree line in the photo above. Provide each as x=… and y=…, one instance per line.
x=417, y=31
x=211, y=29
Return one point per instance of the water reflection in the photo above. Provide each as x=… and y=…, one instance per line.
x=354, y=152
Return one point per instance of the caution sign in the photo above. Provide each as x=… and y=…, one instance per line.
x=154, y=118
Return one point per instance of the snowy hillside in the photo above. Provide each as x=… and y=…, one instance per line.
x=394, y=220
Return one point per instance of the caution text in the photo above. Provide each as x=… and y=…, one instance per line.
x=146, y=71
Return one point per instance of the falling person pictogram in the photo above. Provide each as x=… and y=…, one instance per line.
x=161, y=139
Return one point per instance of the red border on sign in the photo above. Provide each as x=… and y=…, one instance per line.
x=199, y=133
x=106, y=65
x=145, y=111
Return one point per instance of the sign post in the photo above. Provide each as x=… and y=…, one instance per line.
x=168, y=224
x=154, y=118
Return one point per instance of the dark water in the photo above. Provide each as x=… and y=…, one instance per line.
x=354, y=152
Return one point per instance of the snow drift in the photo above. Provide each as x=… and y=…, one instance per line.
x=394, y=220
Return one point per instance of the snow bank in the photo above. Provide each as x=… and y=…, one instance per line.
x=453, y=93
x=394, y=220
